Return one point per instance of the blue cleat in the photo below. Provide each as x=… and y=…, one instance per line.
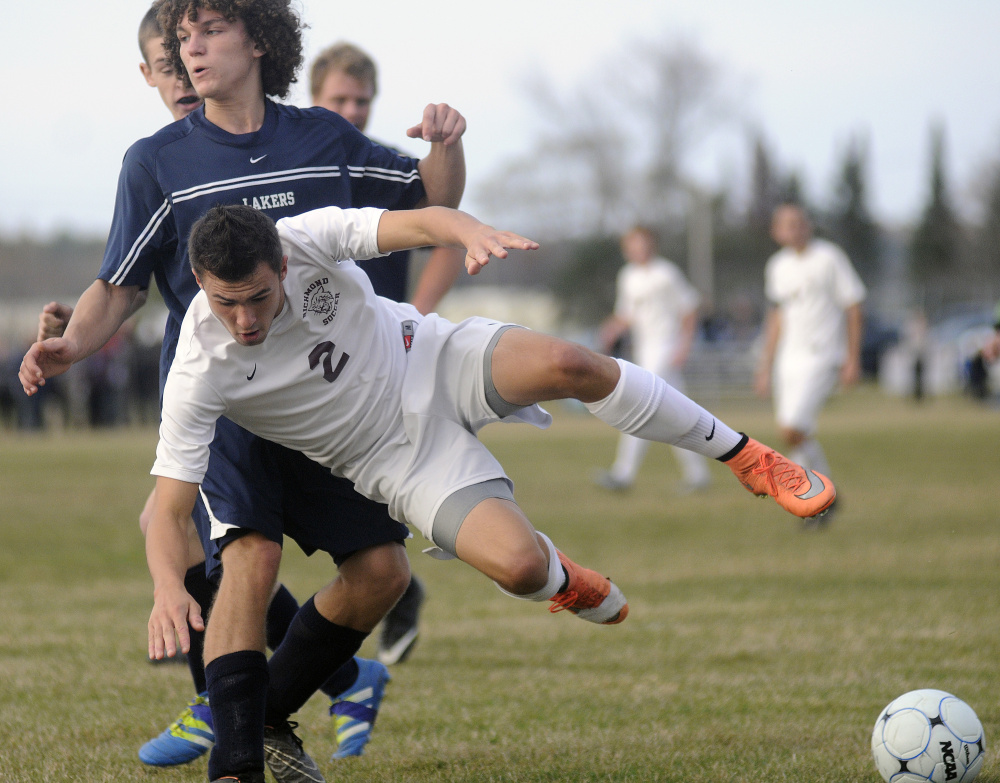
x=184, y=740
x=357, y=708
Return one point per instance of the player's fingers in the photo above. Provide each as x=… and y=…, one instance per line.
x=472, y=265
x=430, y=126
x=194, y=618
x=156, y=645
x=453, y=127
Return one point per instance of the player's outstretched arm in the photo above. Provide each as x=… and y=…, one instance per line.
x=167, y=558
x=444, y=227
x=100, y=312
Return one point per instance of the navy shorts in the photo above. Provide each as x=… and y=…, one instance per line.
x=255, y=485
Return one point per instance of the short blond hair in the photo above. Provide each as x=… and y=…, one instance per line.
x=345, y=58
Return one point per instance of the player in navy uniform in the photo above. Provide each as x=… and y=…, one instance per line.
x=243, y=148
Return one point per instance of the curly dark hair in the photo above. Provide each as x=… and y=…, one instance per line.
x=271, y=24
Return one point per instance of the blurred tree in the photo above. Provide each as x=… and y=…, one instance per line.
x=585, y=286
x=850, y=223
x=935, y=244
x=988, y=241
x=616, y=150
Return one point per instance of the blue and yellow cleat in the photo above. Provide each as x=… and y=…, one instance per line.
x=184, y=740
x=356, y=709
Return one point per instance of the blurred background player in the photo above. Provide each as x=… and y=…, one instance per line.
x=344, y=79
x=659, y=308
x=357, y=689
x=812, y=334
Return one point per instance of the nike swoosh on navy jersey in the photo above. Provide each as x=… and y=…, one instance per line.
x=258, y=160
x=816, y=486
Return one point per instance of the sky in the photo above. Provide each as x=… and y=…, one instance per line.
x=812, y=74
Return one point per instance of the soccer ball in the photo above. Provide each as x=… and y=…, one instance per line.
x=928, y=735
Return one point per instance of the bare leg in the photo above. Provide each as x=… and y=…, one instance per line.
x=499, y=541
x=250, y=569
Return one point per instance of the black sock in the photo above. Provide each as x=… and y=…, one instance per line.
x=203, y=591
x=280, y=613
x=237, y=692
x=313, y=649
x=341, y=680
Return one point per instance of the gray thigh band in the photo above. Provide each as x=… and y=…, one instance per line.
x=498, y=404
x=458, y=504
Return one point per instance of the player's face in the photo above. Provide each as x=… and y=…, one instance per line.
x=637, y=247
x=348, y=97
x=180, y=99
x=791, y=228
x=248, y=307
x=219, y=56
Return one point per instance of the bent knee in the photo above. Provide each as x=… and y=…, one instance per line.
x=524, y=574
x=253, y=555
x=571, y=366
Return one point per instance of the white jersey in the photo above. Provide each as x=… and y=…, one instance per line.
x=334, y=379
x=812, y=290
x=330, y=343
x=654, y=298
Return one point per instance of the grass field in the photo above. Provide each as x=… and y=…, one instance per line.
x=754, y=651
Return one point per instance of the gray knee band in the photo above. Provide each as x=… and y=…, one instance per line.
x=456, y=508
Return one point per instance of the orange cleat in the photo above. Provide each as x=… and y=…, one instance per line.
x=589, y=595
x=765, y=472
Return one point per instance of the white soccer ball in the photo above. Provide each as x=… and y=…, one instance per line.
x=928, y=735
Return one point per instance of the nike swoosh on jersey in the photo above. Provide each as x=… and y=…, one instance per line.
x=712, y=433
x=816, y=486
x=251, y=375
x=258, y=160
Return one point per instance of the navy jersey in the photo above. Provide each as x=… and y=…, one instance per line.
x=390, y=275
x=299, y=160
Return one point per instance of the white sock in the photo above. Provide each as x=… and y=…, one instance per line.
x=645, y=405
x=556, y=576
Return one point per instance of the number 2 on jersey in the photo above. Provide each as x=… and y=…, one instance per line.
x=325, y=351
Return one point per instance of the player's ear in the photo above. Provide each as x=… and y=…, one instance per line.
x=284, y=267
x=147, y=74
x=198, y=279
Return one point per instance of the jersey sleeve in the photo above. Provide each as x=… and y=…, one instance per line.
x=848, y=288
x=142, y=232
x=686, y=296
x=187, y=425
x=380, y=176
x=332, y=234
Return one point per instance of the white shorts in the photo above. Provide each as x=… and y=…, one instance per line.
x=801, y=387
x=444, y=405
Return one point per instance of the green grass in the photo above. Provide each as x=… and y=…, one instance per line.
x=754, y=651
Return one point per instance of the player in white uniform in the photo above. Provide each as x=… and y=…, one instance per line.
x=288, y=339
x=292, y=344
x=659, y=307
x=812, y=336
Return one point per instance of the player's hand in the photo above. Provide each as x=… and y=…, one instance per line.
x=43, y=360
x=173, y=611
x=486, y=241
x=52, y=320
x=440, y=123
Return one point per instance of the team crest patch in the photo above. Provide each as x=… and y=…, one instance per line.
x=317, y=298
